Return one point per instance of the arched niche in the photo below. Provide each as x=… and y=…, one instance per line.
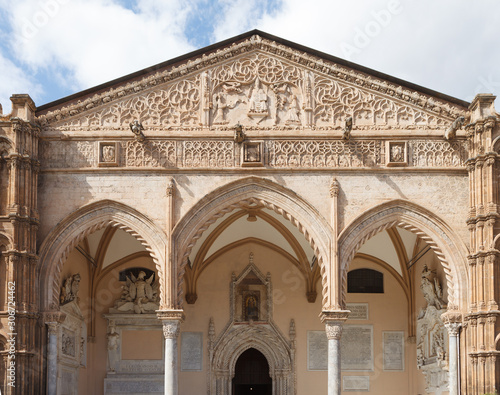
x=447, y=246
x=244, y=193
x=88, y=219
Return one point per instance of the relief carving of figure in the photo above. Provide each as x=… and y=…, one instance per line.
x=108, y=153
x=258, y=105
x=69, y=291
x=431, y=289
x=221, y=103
x=139, y=295
x=292, y=115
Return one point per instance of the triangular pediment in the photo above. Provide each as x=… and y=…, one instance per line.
x=261, y=84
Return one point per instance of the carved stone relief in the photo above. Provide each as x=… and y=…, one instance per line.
x=432, y=339
x=108, y=154
x=308, y=154
x=323, y=154
x=139, y=295
x=259, y=83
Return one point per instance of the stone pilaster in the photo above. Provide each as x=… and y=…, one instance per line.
x=484, y=286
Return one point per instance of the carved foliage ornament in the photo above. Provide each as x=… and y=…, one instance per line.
x=260, y=82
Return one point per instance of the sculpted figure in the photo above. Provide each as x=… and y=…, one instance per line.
x=137, y=128
x=69, y=291
x=347, y=128
x=431, y=289
x=138, y=295
x=258, y=100
x=452, y=130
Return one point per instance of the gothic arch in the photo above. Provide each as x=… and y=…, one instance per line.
x=245, y=192
x=86, y=220
x=447, y=246
x=265, y=339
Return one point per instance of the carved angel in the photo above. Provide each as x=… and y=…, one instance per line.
x=140, y=288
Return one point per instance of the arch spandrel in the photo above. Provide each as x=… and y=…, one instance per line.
x=448, y=247
x=86, y=220
x=244, y=192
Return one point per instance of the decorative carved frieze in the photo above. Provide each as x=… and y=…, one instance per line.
x=151, y=153
x=207, y=153
x=256, y=82
x=67, y=154
x=426, y=153
x=324, y=153
x=275, y=153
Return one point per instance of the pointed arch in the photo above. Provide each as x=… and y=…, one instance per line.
x=243, y=193
x=86, y=220
x=447, y=246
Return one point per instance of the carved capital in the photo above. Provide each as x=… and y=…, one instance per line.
x=53, y=319
x=453, y=328
x=171, y=329
x=171, y=320
x=333, y=329
x=333, y=320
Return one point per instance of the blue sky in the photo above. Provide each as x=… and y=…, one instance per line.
x=53, y=48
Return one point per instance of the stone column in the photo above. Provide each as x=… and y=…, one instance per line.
x=333, y=321
x=453, y=331
x=52, y=320
x=171, y=320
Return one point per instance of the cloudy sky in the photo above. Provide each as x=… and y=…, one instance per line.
x=53, y=48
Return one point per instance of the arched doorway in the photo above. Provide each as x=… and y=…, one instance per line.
x=251, y=374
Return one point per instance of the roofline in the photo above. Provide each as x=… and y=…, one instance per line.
x=241, y=37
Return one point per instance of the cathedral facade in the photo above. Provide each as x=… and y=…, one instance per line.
x=252, y=217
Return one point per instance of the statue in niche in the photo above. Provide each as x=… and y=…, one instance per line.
x=69, y=290
x=431, y=289
x=139, y=295
x=258, y=105
x=292, y=114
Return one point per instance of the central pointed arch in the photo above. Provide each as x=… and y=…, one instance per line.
x=242, y=193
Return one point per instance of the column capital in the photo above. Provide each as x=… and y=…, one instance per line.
x=333, y=321
x=452, y=317
x=53, y=318
x=171, y=320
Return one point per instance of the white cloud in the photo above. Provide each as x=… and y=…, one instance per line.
x=14, y=80
x=97, y=40
x=449, y=46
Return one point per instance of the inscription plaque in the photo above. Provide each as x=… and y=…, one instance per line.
x=393, y=351
x=356, y=383
x=356, y=345
x=191, y=351
x=359, y=311
x=317, y=350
